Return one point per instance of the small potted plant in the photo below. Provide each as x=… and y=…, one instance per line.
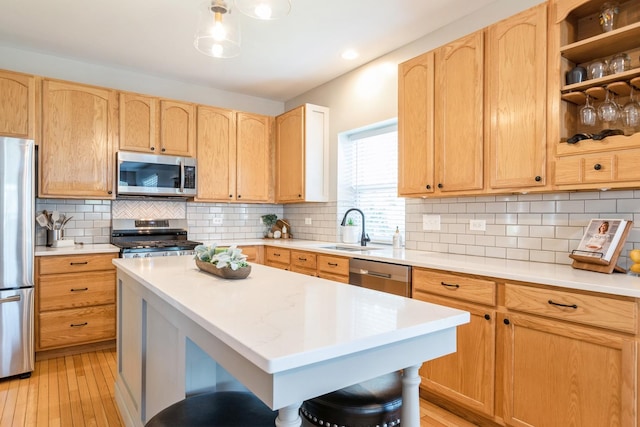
x=350, y=232
x=228, y=263
x=269, y=221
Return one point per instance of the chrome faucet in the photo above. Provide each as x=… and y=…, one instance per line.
x=364, y=238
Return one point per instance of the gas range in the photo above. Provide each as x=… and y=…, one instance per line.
x=143, y=238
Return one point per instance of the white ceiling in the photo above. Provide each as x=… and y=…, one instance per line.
x=279, y=59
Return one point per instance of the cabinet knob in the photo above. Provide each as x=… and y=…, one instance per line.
x=230, y=195
x=506, y=321
x=440, y=185
x=597, y=166
x=239, y=196
x=538, y=178
x=487, y=317
x=163, y=150
x=153, y=148
x=299, y=196
x=109, y=192
x=428, y=186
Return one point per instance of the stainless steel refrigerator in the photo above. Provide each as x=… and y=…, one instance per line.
x=17, y=224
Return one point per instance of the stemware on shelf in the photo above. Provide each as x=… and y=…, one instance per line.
x=588, y=113
x=608, y=13
x=631, y=112
x=608, y=111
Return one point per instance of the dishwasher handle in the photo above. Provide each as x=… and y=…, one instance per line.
x=375, y=274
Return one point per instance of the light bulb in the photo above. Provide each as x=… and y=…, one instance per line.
x=218, y=31
x=263, y=11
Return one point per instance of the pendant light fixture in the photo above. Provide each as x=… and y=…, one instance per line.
x=218, y=31
x=264, y=9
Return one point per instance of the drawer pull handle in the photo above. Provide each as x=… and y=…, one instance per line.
x=450, y=285
x=79, y=263
x=78, y=325
x=301, y=259
x=276, y=254
x=79, y=289
x=333, y=264
x=574, y=306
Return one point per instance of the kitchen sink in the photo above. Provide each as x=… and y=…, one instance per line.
x=349, y=248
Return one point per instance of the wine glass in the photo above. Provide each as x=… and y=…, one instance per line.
x=631, y=112
x=588, y=114
x=608, y=111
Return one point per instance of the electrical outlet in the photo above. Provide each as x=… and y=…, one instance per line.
x=217, y=221
x=307, y=221
x=431, y=222
x=477, y=225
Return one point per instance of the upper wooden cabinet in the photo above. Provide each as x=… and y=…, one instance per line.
x=17, y=105
x=415, y=126
x=234, y=156
x=440, y=120
x=149, y=124
x=578, y=40
x=302, y=155
x=517, y=99
x=79, y=128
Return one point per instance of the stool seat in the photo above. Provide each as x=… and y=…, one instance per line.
x=217, y=409
x=376, y=402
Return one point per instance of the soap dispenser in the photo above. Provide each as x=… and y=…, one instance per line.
x=397, y=239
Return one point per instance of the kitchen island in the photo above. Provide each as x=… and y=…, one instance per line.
x=284, y=336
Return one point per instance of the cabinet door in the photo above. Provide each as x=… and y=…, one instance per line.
x=516, y=93
x=252, y=163
x=138, y=122
x=415, y=126
x=459, y=114
x=466, y=376
x=17, y=105
x=558, y=374
x=78, y=127
x=177, y=128
x=216, y=147
x=290, y=156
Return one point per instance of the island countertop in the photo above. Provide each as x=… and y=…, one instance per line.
x=281, y=320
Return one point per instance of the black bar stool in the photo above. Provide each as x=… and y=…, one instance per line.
x=216, y=409
x=372, y=403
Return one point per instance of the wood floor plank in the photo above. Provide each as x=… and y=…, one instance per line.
x=20, y=414
x=4, y=392
x=6, y=420
x=77, y=415
x=94, y=397
x=53, y=399
x=32, y=399
x=64, y=405
x=106, y=387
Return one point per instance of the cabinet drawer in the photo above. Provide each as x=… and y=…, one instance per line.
x=278, y=255
x=454, y=286
x=585, y=169
x=303, y=259
x=302, y=270
x=599, y=311
x=72, y=290
x=77, y=326
x=335, y=277
x=76, y=263
x=334, y=265
x=251, y=252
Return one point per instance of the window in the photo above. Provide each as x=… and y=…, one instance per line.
x=368, y=179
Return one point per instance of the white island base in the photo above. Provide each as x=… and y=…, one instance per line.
x=285, y=337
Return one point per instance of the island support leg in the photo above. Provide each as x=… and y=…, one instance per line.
x=289, y=416
x=410, y=414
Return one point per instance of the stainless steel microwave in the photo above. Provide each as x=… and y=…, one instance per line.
x=141, y=174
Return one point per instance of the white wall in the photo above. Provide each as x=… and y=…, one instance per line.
x=117, y=78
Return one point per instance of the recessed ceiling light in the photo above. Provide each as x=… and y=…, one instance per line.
x=349, y=54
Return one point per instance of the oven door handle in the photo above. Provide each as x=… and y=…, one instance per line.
x=181, y=176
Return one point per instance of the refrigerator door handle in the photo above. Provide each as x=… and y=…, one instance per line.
x=14, y=298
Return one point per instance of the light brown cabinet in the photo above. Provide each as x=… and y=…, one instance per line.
x=516, y=156
x=159, y=126
x=233, y=156
x=79, y=133
x=325, y=266
x=75, y=300
x=580, y=375
x=277, y=257
x=302, y=155
x=577, y=39
x=18, y=94
x=468, y=375
x=440, y=139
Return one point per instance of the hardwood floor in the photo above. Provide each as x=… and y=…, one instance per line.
x=69, y=391
x=77, y=391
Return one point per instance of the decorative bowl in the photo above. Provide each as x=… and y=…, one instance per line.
x=226, y=272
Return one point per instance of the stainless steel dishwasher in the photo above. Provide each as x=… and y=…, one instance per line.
x=381, y=276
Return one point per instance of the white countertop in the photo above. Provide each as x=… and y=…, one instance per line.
x=559, y=275
x=282, y=320
x=77, y=249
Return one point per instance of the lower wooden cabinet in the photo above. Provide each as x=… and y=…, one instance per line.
x=329, y=267
x=277, y=257
x=75, y=300
x=534, y=355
